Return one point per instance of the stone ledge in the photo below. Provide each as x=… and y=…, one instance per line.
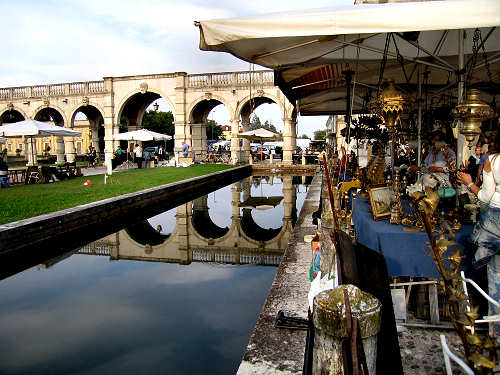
x=18, y=234
x=281, y=351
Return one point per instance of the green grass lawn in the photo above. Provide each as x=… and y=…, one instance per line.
x=24, y=201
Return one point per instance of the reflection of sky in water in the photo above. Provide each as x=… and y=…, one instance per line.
x=220, y=211
x=88, y=315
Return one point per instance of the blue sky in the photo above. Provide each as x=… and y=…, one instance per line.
x=78, y=40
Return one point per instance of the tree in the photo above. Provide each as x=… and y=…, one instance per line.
x=160, y=122
x=255, y=123
x=367, y=128
x=320, y=134
x=305, y=136
x=214, y=131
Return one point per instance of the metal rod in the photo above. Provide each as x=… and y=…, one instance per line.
x=330, y=193
x=419, y=118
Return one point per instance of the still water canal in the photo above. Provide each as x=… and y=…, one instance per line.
x=179, y=293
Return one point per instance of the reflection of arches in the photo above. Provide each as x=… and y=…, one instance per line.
x=203, y=224
x=11, y=115
x=143, y=233
x=253, y=230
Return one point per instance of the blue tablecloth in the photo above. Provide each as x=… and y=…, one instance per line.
x=403, y=251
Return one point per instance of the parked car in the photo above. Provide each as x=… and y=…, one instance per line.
x=152, y=149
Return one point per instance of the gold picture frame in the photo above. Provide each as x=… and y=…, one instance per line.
x=381, y=198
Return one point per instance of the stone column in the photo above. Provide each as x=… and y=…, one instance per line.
x=95, y=138
x=198, y=140
x=289, y=140
x=246, y=142
x=236, y=153
x=60, y=150
x=69, y=148
x=182, y=218
x=30, y=154
x=182, y=126
x=329, y=316
x=289, y=201
x=109, y=123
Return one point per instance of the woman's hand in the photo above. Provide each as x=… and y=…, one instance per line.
x=464, y=178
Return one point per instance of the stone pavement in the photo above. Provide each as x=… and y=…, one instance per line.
x=421, y=351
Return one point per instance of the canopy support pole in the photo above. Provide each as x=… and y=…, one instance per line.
x=419, y=117
x=461, y=87
x=460, y=94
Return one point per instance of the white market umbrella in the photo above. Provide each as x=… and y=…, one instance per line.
x=142, y=135
x=262, y=135
x=32, y=128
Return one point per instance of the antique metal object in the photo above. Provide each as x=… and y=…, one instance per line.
x=472, y=111
x=390, y=104
x=478, y=350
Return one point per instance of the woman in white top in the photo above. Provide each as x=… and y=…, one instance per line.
x=486, y=233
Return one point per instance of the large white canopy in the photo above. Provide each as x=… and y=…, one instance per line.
x=142, y=135
x=261, y=135
x=309, y=49
x=33, y=128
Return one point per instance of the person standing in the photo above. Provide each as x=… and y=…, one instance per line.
x=147, y=159
x=185, y=149
x=138, y=155
x=161, y=153
x=486, y=234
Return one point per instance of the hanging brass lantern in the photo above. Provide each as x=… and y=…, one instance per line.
x=390, y=104
x=472, y=111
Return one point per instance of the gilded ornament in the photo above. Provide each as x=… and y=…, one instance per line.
x=472, y=112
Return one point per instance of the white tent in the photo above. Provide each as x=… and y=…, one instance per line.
x=262, y=135
x=32, y=128
x=142, y=135
x=309, y=49
x=451, y=45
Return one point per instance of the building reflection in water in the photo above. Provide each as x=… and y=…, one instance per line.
x=195, y=237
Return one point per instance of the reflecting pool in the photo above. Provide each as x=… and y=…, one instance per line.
x=179, y=293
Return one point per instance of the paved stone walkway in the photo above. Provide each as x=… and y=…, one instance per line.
x=421, y=351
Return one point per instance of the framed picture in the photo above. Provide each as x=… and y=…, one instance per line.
x=381, y=197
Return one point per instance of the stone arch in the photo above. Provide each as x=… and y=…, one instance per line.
x=50, y=110
x=98, y=108
x=131, y=94
x=213, y=101
x=244, y=106
x=14, y=109
x=95, y=117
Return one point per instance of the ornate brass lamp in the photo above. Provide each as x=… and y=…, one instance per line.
x=472, y=111
x=390, y=104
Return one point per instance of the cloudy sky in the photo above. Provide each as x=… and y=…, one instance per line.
x=77, y=40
